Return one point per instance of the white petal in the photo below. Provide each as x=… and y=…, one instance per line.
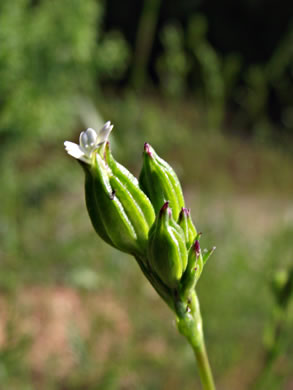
x=88, y=141
x=91, y=137
x=83, y=140
x=104, y=133
x=75, y=151
x=88, y=138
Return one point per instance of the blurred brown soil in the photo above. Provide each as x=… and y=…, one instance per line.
x=51, y=316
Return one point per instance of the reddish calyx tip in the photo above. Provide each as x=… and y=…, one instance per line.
x=147, y=149
x=164, y=208
x=184, y=212
x=107, y=146
x=196, y=248
x=106, y=151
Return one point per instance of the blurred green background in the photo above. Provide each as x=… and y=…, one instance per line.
x=209, y=85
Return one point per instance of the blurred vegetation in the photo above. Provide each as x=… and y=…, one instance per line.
x=73, y=314
x=51, y=54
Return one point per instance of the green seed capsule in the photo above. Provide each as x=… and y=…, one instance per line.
x=133, y=212
x=167, y=252
x=111, y=213
x=159, y=181
x=173, y=179
x=187, y=226
x=196, y=262
x=92, y=206
x=181, y=236
x=193, y=270
x=132, y=185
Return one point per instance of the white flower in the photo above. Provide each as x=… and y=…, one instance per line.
x=89, y=140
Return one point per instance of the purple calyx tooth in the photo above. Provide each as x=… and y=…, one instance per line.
x=147, y=149
x=197, y=248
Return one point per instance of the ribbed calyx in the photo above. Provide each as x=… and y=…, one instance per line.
x=187, y=226
x=159, y=181
x=119, y=210
x=167, y=254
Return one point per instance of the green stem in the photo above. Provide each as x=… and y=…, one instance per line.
x=189, y=323
x=203, y=365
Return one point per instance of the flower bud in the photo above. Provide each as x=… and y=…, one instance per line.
x=196, y=262
x=167, y=252
x=159, y=181
x=187, y=226
x=193, y=270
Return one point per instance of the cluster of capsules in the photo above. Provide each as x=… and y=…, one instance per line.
x=146, y=218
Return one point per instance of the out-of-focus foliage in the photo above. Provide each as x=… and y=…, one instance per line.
x=221, y=81
x=217, y=74
x=173, y=65
x=145, y=35
x=191, y=57
x=263, y=79
x=51, y=53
